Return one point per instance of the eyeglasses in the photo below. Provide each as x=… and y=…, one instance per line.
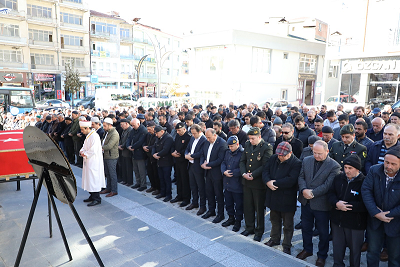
x=286, y=132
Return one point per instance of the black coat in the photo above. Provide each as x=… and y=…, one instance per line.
x=150, y=141
x=356, y=218
x=180, y=145
x=241, y=135
x=209, y=123
x=303, y=134
x=285, y=173
x=163, y=147
x=216, y=157
x=297, y=145
x=136, y=140
x=168, y=127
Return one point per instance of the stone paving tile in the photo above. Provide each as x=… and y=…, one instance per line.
x=194, y=259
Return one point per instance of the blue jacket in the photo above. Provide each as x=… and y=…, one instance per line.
x=231, y=162
x=136, y=140
x=198, y=151
x=216, y=157
x=376, y=196
x=373, y=136
x=373, y=154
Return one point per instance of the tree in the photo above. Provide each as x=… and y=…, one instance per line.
x=72, y=81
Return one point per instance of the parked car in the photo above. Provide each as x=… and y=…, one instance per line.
x=274, y=104
x=56, y=103
x=348, y=102
x=87, y=102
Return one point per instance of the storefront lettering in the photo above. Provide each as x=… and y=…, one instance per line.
x=368, y=66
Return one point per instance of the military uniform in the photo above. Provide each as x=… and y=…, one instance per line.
x=339, y=153
x=252, y=161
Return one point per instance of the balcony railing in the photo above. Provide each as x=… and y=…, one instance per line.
x=44, y=67
x=42, y=43
x=126, y=39
x=14, y=14
x=12, y=39
x=13, y=65
x=100, y=34
x=76, y=49
x=42, y=20
x=131, y=57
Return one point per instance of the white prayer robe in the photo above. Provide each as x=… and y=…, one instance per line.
x=93, y=178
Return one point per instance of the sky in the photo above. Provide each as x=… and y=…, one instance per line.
x=179, y=17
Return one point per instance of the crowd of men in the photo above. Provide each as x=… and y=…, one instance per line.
x=341, y=168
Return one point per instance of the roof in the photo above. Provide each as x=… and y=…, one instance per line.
x=94, y=13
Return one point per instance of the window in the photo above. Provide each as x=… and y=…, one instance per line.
x=39, y=11
x=43, y=59
x=284, y=94
x=124, y=33
x=72, y=40
x=151, y=70
x=261, y=60
x=319, y=27
x=78, y=61
x=100, y=66
x=9, y=30
x=177, y=72
x=70, y=18
x=74, y=1
x=114, y=67
x=94, y=66
x=10, y=56
x=179, y=44
x=105, y=28
x=39, y=35
x=333, y=71
x=108, y=68
x=112, y=29
x=11, y=4
x=285, y=55
x=308, y=63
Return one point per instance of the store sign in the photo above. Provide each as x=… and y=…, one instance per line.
x=370, y=66
x=303, y=76
x=43, y=77
x=94, y=79
x=11, y=77
x=48, y=89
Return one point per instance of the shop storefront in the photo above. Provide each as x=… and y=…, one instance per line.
x=45, y=86
x=371, y=81
x=13, y=79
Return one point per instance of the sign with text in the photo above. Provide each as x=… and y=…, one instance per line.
x=371, y=66
x=44, y=77
x=94, y=79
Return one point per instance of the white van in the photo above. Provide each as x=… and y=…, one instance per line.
x=107, y=98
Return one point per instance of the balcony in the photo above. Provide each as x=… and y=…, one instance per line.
x=101, y=35
x=72, y=4
x=41, y=20
x=43, y=67
x=13, y=65
x=148, y=75
x=150, y=59
x=13, y=40
x=124, y=39
x=73, y=27
x=75, y=49
x=13, y=14
x=129, y=57
x=42, y=45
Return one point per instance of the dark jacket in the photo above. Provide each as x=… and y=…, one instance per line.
x=268, y=133
x=150, y=141
x=168, y=127
x=338, y=152
x=122, y=142
x=297, y=145
x=216, y=157
x=373, y=154
x=163, y=147
x=45, y=126
x=198, y=151
x=307, y=151
x=223, y=135
x=242, y=136
x=180, y=145
x=136, y=140
x=376, y=196
x=331, y=142
x=209, y=123
x=231, y=162
x=253, y=161
x=303, y=134
x=350, y=192
x=66, y=131
x=75, y=129
x=373, y=136
x=101, y=133
x=59, y=130
x=285, y=173
x=336, y=134
x=352, y=120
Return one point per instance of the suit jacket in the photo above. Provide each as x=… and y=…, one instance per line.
x=198, y=151
x=376, y=195
x=320, y=183
x=216, y=157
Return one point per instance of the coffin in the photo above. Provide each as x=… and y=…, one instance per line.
x=13, y=159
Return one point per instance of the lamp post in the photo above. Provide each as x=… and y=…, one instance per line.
x=137, y=68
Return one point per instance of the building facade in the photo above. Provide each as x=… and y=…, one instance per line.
x=37, y=38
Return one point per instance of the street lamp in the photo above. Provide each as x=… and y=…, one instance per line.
x=137, y=68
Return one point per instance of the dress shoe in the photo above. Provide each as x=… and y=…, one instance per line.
x=151, y=189
x=184, y=204
x=192, y=206
x=246, y=233
x=111, y=194
x=122, y=182
x=159, y=196
x=175, y=200
x=219, y=218
x=320, y=262
x=230, y=221
x=315, y=232
x=128, y=185
x=208, y=214
x=142, y=188
x=156, y=192
x=272, y=243
x=236, y=226
x=135, y=186
x=298, y=226
x=105, y=191
x=364, y=247
x=303, y=255
x=287, y=251
x=166, y=199
x=94, y=203
x=384, y=255
x=88, y=200
x=257, y=238
x=201, y=211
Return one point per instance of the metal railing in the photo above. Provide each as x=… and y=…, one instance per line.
x=15, y=65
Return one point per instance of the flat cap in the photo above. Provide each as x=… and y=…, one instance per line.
x=150, y=124
x=283, y=149
x=254, y=131
x=347, y=129
x=327, y=129
x=124, y=120
x=313, y=138
x=278, y=120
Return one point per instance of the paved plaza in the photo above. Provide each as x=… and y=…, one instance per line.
x=131, y=229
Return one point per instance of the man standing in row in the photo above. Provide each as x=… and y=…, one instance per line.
x=255, y=156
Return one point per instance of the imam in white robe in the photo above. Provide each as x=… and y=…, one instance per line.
x=93, y=179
